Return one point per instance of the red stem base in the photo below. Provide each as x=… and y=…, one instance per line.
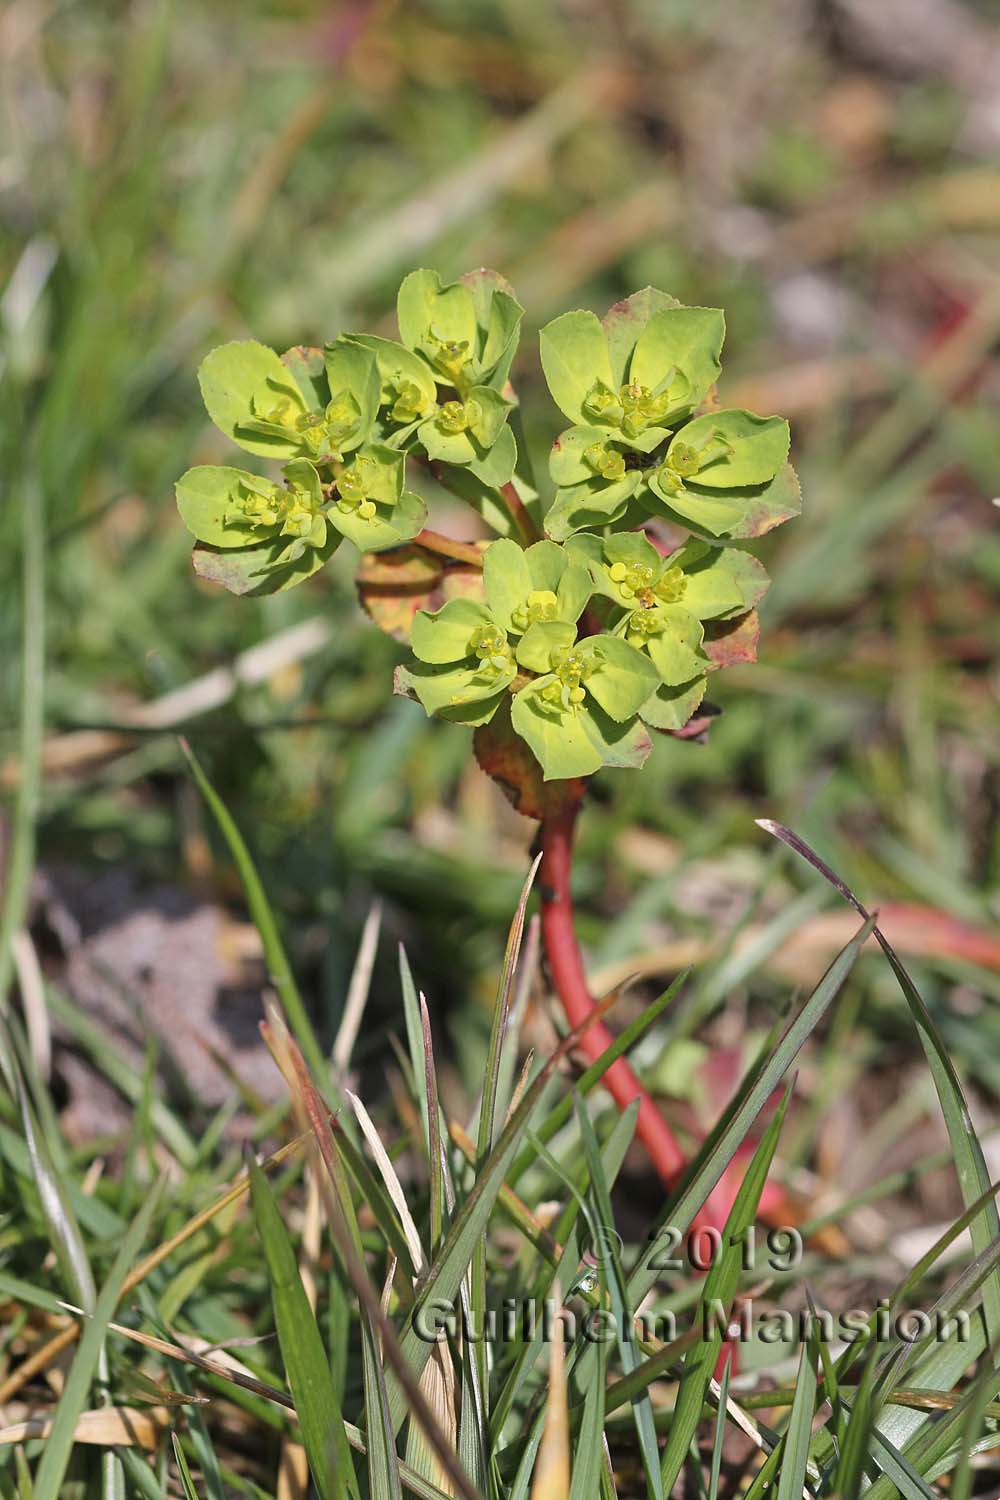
x=570, y=983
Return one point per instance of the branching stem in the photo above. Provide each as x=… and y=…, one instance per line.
x=445, y=546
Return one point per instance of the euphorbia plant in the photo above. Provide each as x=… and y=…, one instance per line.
x=587, y=622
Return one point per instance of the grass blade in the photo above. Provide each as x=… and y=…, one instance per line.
x=21, y=855
x=720, y=1288
x=795, y=1455
x=187, y=1483
x=642, y=1408
x=561, y=1113
x=720, y=1429
x=970, y=1163
x=302, y=1350
x=55, y=1458
x=278, y=967
x=710, y=1163
x=551, y=1481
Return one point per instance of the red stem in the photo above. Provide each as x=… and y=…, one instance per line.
x=519, y=514
x=570, y=981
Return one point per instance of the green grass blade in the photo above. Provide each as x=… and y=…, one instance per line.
x=64, y=1231
x=720, y=1431
x=720, y=1288
x=568, y=1234
x=414, y=1039
x=588, y=1080
x=302, y=1350
x=971, y=1434
x=850, y=1473
x=55, y=1457
x=383, y=1459
x=621, y=1311
x=710, y=1163
x=278, y=967
x=447, y=1270
x=588, y=1454
x=21, y=852
x=970, y=1163
x=487, y=1111
x=187, y=1483
x=796, y=1440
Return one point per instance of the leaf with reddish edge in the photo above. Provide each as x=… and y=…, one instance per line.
x=505, y=757
x=729, y=642
x=393, y=585
x=624, y=322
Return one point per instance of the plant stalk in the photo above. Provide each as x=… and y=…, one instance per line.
x=570, y=982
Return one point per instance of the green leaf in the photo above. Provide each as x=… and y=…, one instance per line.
x=473, y=444
x=240, y=381
x=306, y=1365
x=594, y=504
x=574, y=354
x=187, y=1483
x=353, y=369
x=672, y=707
x=715, y=1471
x=718, y=581
x=393, y=525
x=443, y=636
x=496, y=467
x=722, y=1144
x=507, y=579
x=309, y=373
x=624, y=322
x=739, y=448
x=424, y=305
x=269, y=568
x=558, y=738
x=625, y=746
x=686, y=339
x=569, y=743
x=620, y=1308
x=535, y=648
x=623, y=678
x=498, y=317
x=771, y=506
x=465, y=694
x=737, y=515
x=796, y=1443
x=970, y=1164
x=705, y=511
x=567, y=464
x=547, y=565
x=58, y=1446
x=675, y=651
x=397, y=366
x=575, y=589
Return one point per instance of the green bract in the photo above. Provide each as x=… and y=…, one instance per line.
x=659, y=604
x=630, y=385
x=467, y=332
x=441, y=387
x=612, y=621
x=465, y=651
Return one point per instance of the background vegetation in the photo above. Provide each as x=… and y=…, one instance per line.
x=172, y=175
